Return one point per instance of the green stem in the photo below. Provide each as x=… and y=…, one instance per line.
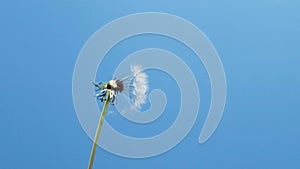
x=93, y=152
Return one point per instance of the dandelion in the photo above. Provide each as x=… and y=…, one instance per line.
x=136, y=83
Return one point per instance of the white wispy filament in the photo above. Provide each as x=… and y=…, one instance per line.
x=140, y=86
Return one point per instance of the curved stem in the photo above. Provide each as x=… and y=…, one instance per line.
x=93, y=152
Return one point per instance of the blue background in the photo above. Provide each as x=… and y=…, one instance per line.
x=258, y=43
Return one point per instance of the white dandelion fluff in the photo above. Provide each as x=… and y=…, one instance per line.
x=140, y=86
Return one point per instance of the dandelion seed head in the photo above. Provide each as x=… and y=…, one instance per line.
x=115, y=85
x=138, y=80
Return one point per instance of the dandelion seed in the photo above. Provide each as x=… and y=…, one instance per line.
x=140, y=86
